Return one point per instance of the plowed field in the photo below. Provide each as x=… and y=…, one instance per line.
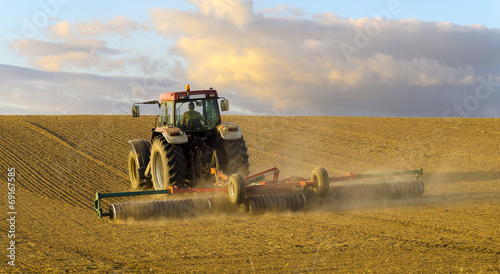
x=61, y=161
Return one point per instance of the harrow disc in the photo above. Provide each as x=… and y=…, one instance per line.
x=378, y=191
x=158, y=209
x=275, y=203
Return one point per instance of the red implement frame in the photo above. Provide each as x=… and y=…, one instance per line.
x=257, y=183
x=254, y=184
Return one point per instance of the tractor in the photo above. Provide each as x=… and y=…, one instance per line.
x=192, y=151
x=188, y=140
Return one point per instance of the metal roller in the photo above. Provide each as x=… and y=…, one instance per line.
x=158, y=209
x=261, y=192
x=275, y=203
x=378, y=191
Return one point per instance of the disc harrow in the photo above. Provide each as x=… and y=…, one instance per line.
x=275, y=203
x=378, y=191
x=159, y=209
x=262, y=192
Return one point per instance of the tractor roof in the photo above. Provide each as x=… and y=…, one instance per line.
x=186, y=95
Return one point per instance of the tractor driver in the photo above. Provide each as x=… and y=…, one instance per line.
x=190, y=115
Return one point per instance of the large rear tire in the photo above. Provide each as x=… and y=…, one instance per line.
x=233, y=157
x=168, y=164
x=137, y=178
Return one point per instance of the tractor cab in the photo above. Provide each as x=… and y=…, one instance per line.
x=195, y=114
x=190, y=111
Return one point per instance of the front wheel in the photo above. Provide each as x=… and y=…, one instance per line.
x=168, y=164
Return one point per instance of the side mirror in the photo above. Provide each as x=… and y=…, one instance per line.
x=224, y=105
x=136, y=111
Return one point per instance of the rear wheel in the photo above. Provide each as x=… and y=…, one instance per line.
x=233, y=157
x=168, y=164
x=137, y=178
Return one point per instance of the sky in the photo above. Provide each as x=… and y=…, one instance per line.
x=389, y=58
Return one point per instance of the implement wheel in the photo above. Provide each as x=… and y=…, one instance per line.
x=168, y=164
x=236, y=189
x=321, y=181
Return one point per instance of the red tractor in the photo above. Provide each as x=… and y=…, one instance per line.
x=192, y=151
x=188, y=140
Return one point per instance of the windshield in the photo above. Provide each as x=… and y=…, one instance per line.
x=197, y=114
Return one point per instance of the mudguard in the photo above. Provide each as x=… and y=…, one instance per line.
x=229, y=131
x=173, y=135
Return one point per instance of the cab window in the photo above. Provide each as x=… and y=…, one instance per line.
x=166, y=114
x=163, y=115
x=206, y=108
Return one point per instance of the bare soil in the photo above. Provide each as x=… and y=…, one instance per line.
x=61, y=161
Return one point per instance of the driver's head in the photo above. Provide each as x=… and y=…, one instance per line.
x=191, y=106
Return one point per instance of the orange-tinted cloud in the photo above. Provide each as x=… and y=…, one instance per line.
x=276, y=60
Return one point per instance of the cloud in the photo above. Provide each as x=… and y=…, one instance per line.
x=77, y=59
x=271, y=61
x=281, y=10
x=120, y=25
x=84, y=45
x=300, y=64
x=44, y=92
x=30, y=47
x=79, y=53
x=235, y=12
x=60, y=30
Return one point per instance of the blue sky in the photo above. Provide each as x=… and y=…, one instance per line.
x=431, y=53
x=460, y=12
